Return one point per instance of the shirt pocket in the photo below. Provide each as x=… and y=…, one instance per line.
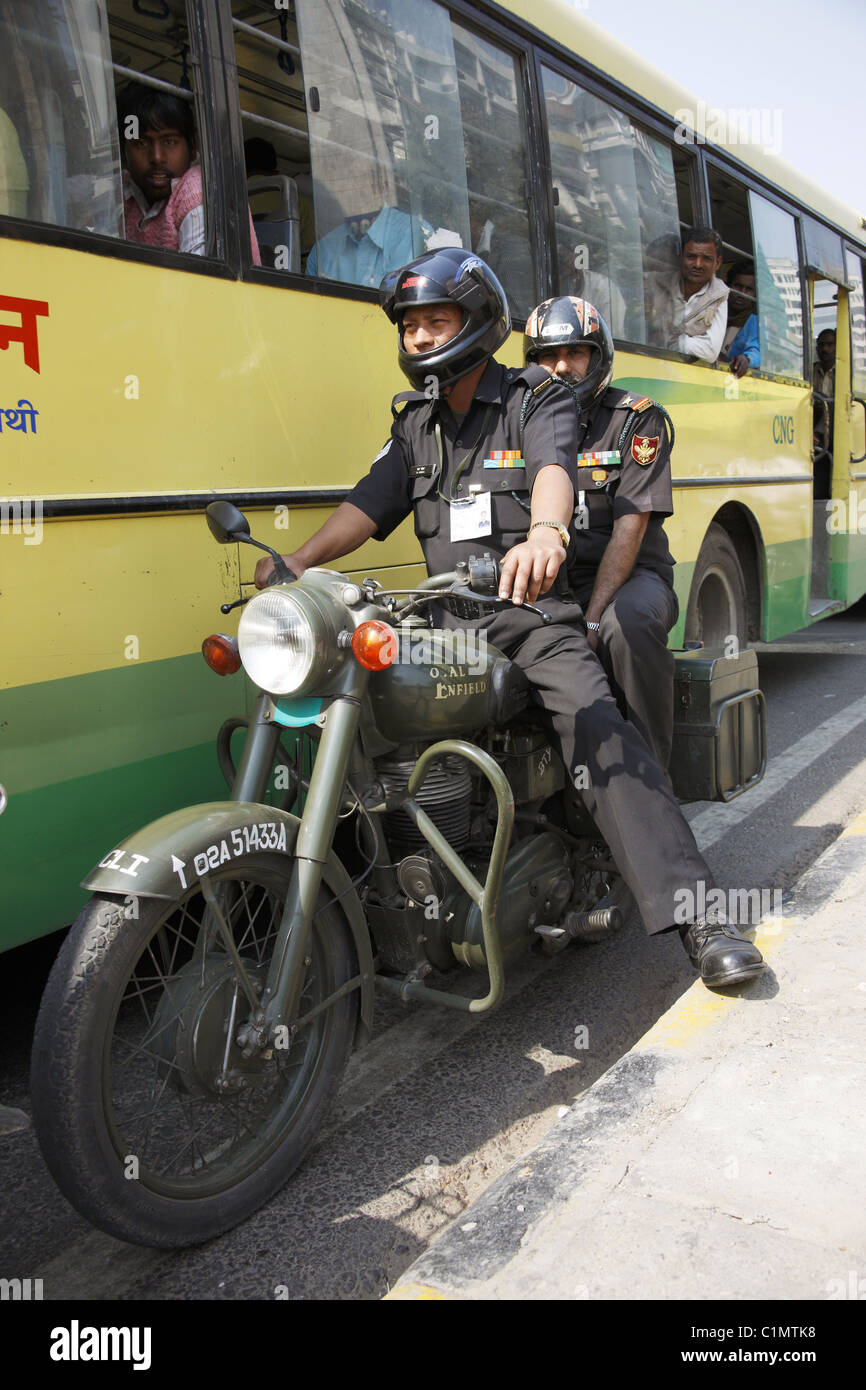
x=598, y=493
x=510, y=505
x=426, y=504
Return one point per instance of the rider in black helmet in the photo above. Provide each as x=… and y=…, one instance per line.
x=448, y=276
x=483, y=457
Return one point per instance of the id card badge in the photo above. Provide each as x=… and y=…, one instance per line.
x=471, y=518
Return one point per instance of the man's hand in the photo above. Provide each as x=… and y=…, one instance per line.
x=265, y=567
x=530, y=568
x=740, y=365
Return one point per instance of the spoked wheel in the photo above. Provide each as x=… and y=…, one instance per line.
x=152, y=1120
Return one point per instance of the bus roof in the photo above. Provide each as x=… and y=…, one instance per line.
x=560, y=21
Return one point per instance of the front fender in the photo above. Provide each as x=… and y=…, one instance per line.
x=167, y=857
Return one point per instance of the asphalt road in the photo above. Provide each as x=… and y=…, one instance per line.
x=440, y=1104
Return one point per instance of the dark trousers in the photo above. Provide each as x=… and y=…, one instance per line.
x=628, y=795
x=632, y=648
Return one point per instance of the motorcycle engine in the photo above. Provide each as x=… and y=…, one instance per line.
x=445, y=795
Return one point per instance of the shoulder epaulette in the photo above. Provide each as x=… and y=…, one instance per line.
x=542, y=386
x=617, y=399
x=636, y=407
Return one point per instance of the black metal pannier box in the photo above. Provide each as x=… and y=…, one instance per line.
x=720, y=725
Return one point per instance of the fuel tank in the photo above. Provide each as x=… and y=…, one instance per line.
x=440, y=685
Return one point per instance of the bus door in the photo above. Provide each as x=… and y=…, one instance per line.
x=830, y=378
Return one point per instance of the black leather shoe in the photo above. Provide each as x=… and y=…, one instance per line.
x=722, y=954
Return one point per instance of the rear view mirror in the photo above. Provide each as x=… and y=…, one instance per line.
x=226, y=523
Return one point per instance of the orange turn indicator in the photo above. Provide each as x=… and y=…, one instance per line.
x=221, y=653
x=375, y=645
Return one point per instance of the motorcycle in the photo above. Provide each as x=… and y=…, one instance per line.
x=200, y=1015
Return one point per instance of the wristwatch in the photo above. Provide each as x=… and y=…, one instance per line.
x=557, y=526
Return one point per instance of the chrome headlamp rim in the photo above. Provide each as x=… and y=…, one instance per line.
x=286, y=641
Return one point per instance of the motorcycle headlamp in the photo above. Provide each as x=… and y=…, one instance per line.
x=287, y=641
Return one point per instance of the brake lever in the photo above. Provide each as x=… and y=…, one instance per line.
x=494, y=603
x=238, y=603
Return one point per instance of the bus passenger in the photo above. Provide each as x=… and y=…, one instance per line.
x=163, y=202
x=470, y=461
x=741, y=347
x=687, y=309
x=620, y=568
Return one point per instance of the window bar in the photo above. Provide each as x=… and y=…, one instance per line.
x=156, y=82
x=266, y=38
x=276, y=125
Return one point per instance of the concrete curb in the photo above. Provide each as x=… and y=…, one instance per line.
x=584, y=1146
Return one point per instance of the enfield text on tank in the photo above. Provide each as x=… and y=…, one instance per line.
x=202, y=1010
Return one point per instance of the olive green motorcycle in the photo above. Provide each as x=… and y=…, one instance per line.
x=202, y=1010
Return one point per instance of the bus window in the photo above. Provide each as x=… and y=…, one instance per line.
x=164, y=192
x=780, y=306
x=729, y=214
x=276, y=142
x=854, y=269
x=615, y=196
x=496, y=172
x=416, y=141
x=58, y=131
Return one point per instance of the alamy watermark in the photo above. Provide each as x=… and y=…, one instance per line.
x=739, y=125
x=740, y=906
x=847, y=517
x=449, y=655
x=22, y=516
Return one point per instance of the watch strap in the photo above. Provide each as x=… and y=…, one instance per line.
x=557, y=526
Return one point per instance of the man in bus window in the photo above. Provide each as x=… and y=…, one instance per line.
x=741, y=346
x=163, y=201
x=484, y=457
x=620, y=568
x=687, y=308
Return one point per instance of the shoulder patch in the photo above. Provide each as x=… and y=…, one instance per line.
x=644, y=449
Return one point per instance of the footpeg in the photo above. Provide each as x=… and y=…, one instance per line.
x=592, y=926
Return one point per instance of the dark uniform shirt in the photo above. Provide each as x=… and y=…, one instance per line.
x=422, y=472
x=635, y=479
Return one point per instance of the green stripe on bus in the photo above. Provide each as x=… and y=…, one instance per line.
x=55, y=731
x=700, y=393
x=54, y=836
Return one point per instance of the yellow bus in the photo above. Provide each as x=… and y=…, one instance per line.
x=148, y=365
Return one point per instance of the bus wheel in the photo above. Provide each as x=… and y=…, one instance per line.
x=717, y=601
x=152, y=1120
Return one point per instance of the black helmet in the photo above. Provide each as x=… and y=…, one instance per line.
x=570, y=322
x=449, y=276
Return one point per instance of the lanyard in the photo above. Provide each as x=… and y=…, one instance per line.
x=466, y=462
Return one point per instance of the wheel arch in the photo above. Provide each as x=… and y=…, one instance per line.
x=165, y=857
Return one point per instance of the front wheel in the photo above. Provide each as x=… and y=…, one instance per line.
x=152, y=1121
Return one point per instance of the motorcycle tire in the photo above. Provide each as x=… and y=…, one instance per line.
x=137, y=1123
